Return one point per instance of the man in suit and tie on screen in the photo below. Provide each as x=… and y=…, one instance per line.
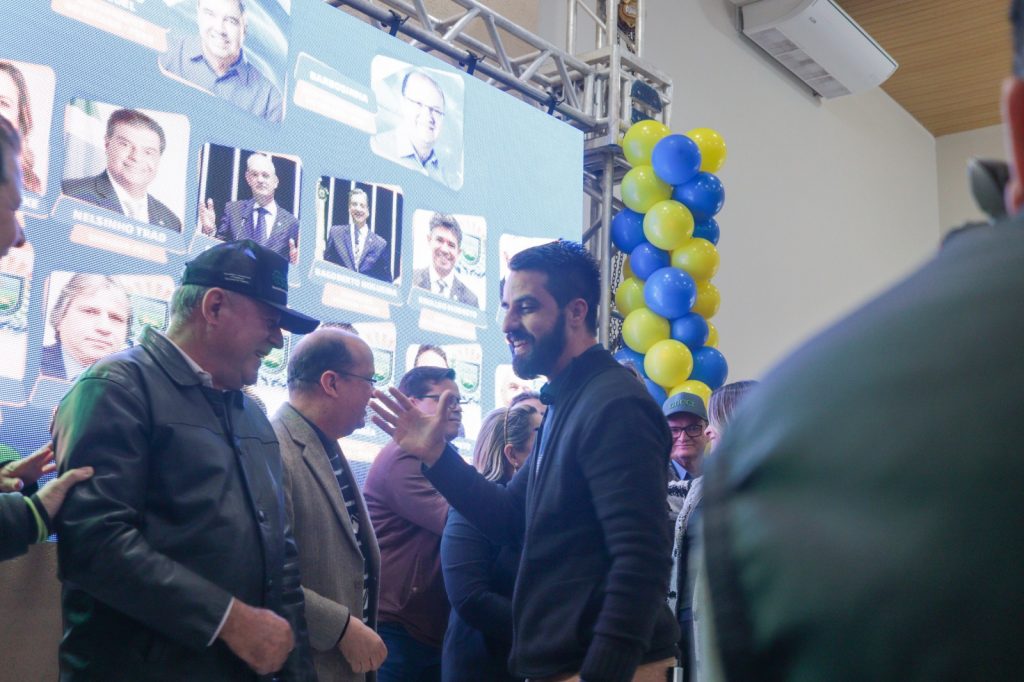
x=356, y=246
x=134, y=144
x=445, y=238
x=259, y=218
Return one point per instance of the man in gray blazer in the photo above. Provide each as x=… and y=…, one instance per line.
x=330, y=382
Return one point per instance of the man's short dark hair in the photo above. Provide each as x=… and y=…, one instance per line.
x=418, y=381
x=131, y=117
x=572, y=273
x=430, y=348
x=343, y=326
x=316, y=356
x=447, y=222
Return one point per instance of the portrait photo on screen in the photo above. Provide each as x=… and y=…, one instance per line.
x=26, y=100
x=466, y=360
x=448, y=256
x=508, y=246
x=235, y=50
x=89, y=316
x=119, y=159
x=361, y=226
x=507, y=385
x=15, y=287
x=245, y=194
x=419, y=118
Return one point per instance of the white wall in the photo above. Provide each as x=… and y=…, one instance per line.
x=956, y=206
x=827, y=202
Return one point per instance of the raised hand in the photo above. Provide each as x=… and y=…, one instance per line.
x=207, y=218
x=415, y=432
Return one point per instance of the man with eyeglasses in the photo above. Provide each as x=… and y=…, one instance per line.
x=134, y=145
x=687, y=420
x=330, y=381
x=409, y=516
x=412, y=143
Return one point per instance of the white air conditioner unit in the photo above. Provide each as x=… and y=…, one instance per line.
x=819, y=43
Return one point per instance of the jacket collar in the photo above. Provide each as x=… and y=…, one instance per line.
x=581, y=367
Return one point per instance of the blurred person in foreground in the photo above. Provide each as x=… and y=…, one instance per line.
x=864, y=513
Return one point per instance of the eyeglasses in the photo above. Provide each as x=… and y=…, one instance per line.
x=433, y=111
x=369, y=380
x=435, y=396
x=693, y=430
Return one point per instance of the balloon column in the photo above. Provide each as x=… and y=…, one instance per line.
x=669, y=232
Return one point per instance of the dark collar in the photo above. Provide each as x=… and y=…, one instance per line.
x=324, y=440
x=580, y=366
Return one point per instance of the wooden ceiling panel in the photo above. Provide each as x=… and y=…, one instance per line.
x=952, y=55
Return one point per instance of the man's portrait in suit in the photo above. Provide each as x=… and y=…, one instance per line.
x=259, y=218
x=134, y=145
x=216, y=60
x=90, y=319
x=420, y=119
x=444, y=239
x=355, y=245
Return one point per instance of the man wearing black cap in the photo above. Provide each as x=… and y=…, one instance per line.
x=864, y=512
x=177, y=559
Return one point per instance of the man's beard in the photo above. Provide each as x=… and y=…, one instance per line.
x=543, y=353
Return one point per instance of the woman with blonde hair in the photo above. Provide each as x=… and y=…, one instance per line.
x=478, y=574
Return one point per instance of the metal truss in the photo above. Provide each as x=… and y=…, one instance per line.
x=600, y=91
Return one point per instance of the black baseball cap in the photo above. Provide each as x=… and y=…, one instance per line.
x=247, y=268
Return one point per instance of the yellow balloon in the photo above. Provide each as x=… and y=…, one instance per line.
x=698, y=257
x=691, y=386
x=708, y=300
x=627, y=271
x=712, y=148
x=630, y=296
x=668, y=224
x=712, y=336
x=641, y=188
x=639, y=141
x=668, y=363
x=642, y=329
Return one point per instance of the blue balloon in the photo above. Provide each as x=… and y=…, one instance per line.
x=627, y=355
x=646, y=258
x=656, y=391
x=676, y=159
x=709, y=366
x=670, y=292
x=691, y=329
x=707, y=230
x=703, y=195
x=628, y=230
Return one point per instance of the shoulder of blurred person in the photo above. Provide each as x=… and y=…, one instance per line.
x=887, y=434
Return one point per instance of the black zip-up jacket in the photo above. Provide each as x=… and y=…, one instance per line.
x=590, y=595
x=184, y=512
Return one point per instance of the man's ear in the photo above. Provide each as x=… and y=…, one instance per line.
x=213, y=304
x=329, y=383
x=576, y=312
x=1013, y=123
